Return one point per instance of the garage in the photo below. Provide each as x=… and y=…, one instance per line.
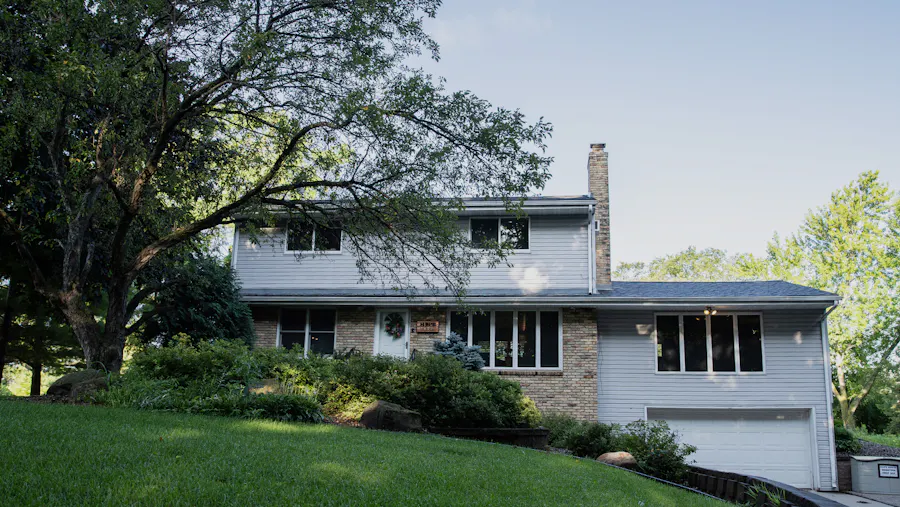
x=770, y=443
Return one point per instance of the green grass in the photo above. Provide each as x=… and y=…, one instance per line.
x=89, y=455
x=883, y=439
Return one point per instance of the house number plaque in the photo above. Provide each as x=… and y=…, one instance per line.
x=427, y=326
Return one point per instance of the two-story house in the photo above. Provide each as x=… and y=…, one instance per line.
x=740, y=369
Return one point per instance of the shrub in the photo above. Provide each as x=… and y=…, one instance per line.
x=591, y=439
x=845, y=441
x=656, y=449
x=285, y=407
x=457, y=347
x=559, y=425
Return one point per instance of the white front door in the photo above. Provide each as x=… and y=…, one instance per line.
x=774, y=443
x=392, y=333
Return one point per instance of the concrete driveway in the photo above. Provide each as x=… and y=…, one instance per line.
x=858, y=501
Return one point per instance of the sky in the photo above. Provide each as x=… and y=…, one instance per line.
x=725, y=122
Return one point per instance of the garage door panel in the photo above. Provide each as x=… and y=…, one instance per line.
x=768, y=443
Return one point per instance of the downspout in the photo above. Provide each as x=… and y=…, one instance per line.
x=829, y=395
x=592, y=248
x=234, y=248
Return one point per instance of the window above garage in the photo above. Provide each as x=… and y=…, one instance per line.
x=697, y=343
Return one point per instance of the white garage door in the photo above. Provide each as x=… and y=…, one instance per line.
x=774, y=444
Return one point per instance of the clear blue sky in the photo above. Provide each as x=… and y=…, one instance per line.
x=724, y=121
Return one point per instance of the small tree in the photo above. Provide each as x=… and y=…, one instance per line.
x=457, y=347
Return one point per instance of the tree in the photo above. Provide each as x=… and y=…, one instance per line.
x=201, y=299
x=38, y=337
x=709, y=265
x=850, y=247
x=128, y=128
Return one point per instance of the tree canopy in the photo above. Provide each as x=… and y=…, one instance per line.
x=128, y=128
x=851, y=247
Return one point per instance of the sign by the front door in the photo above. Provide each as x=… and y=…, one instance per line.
x=427, y=326
x=889, y=471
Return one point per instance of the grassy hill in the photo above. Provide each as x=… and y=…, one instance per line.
x=88, y=455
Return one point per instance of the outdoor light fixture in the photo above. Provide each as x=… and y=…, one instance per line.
x=709, y=311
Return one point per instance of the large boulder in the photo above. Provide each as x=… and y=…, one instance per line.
x=382, y=415
x=78, y=384
x=620, y=459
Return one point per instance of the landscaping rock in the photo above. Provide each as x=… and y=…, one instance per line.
x=265, y=386
x=382, y=415
x=619, y=459
x=78, y=384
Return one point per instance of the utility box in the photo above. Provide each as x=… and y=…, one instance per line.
x=872, y=474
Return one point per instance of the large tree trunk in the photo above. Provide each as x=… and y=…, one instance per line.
x=102, y=347
x=36, y=378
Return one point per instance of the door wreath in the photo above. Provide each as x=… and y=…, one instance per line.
x=394, y=325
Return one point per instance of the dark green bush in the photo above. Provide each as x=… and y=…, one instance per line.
x=654, y=446
x=845, y=441
x=656, y=449
x=286, y=407
x=212, y=378
x=591, y=439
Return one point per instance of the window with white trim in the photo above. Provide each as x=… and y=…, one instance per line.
x=307, y=237
x=709, y=343
x=506, y=231
x=513, y=338
x=311, y=330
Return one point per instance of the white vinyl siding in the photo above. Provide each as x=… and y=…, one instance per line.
x=628, y=383
x=557, y=259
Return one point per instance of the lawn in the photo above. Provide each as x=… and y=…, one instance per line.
x=885, y=439
x=89, y=455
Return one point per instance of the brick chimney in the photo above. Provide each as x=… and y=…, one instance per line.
x=598, y=184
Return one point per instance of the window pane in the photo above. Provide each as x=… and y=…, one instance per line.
x=667, y=343
x=299, y=236
x=695, y=343
x=321, y=320
x=321, y=342
x=293, y=340
x=750, y=342
x=549, y=339
x=293, y=320
x=722, y=329
x=503, y=331
x=484, y=232
x=328, y=239
x=459, y=324
x=481, y=334
x=514, y=232
x=527, y=337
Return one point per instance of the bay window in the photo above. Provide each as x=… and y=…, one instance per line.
x=709, y=343
x=512, y=338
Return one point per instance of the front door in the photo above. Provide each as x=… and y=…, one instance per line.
x=392, y=333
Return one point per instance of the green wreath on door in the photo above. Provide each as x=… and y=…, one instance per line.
x=394, y=325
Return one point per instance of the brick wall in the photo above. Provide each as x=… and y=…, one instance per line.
x=265, y=322
x=355, y=329
x=572, y=391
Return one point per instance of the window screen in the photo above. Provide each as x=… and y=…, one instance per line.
x=722, y=330
x=514, y=233
x=299, y=236
x=459, y=324
x=695, y=343
x=668, y=356
x=527, y=325
x=485, y=232
x=549, y=339
x=481, y=334
x=503, y=332
x=750, y=342
x=328, y=239
x=293, y=329
x=321, y=331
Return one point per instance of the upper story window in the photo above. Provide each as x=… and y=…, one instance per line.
x=513, y=339
x=506, y=231
x=311, y=330
x=307, y=237
x=709, y=343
